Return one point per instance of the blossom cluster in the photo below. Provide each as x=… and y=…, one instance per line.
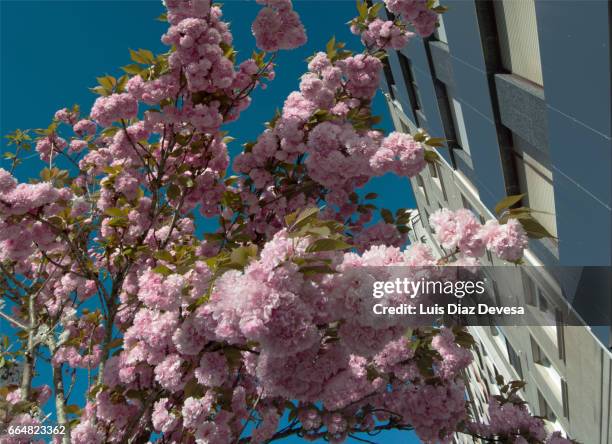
x=415, y=12
x=459, y=230
x=264, y=334
x=278, y=26
x=378, y=34
x=324, y=128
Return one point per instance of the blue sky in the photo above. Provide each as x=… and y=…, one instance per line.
x=52, y=51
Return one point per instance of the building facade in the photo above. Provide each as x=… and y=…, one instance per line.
x=520, y=89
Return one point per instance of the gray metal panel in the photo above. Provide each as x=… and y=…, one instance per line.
x=485, y=156
x=463, y=32
x=472, y=90
x=472, y=87
x=400, y=84
x=582, y=155
x=423, y=78
x=576, y=70
x=574, y=46
x=583, y=225
x=522, y=109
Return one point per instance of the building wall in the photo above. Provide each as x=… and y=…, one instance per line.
x=521, y=91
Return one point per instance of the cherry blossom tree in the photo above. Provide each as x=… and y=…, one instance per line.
x=258, y=330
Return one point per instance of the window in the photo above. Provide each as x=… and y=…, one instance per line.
x=535, y=297
x=491, y=378
x=389, y=78
x=496, y=293
x=486, y=387
x=433, y=170
x=421, y=184
x=436, y=175
x=560, y=336
x=536, y=180
x=477, y=349
x=545, y=410
x=531, y=291
x=565, y=398
x=542, y=302
x=538, y=355
x=458, y=122
x=518, y=38
x=515, y=359
x=497, y=374
x=426, y=221
x=484, y=350
x=411, y=85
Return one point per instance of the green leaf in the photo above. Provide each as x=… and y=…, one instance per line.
x=386, y=215
x=304, y=217
x=193, y=389
x=121, y=82
x=173, y=191
x=241, y=255
x=327, y=245
x=233, y=356
x=362, y=8
x=132, y=69
x=100, y=90
x=319, y=231
x=107, y=82
x=72, y=409
x=419, y=136
x=331, y=48
x=290, y=218
x=110, y=131
x=370, y=196
x=115, y=212
x=96, y=389
x=163, y=255
x=143, y=56
x=435, y=141
x=316, y=269
x=116, y=222
x=507, y=202
x=431, y=156
x=373, y=11
x=534, y=229
x=403, y=229
x=163, y=270
x=117, y=342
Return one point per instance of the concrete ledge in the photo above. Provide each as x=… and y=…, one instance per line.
x=440, y=58
x=421, y=118
x=464, y=164
x=547, y=250
x=522, y=109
